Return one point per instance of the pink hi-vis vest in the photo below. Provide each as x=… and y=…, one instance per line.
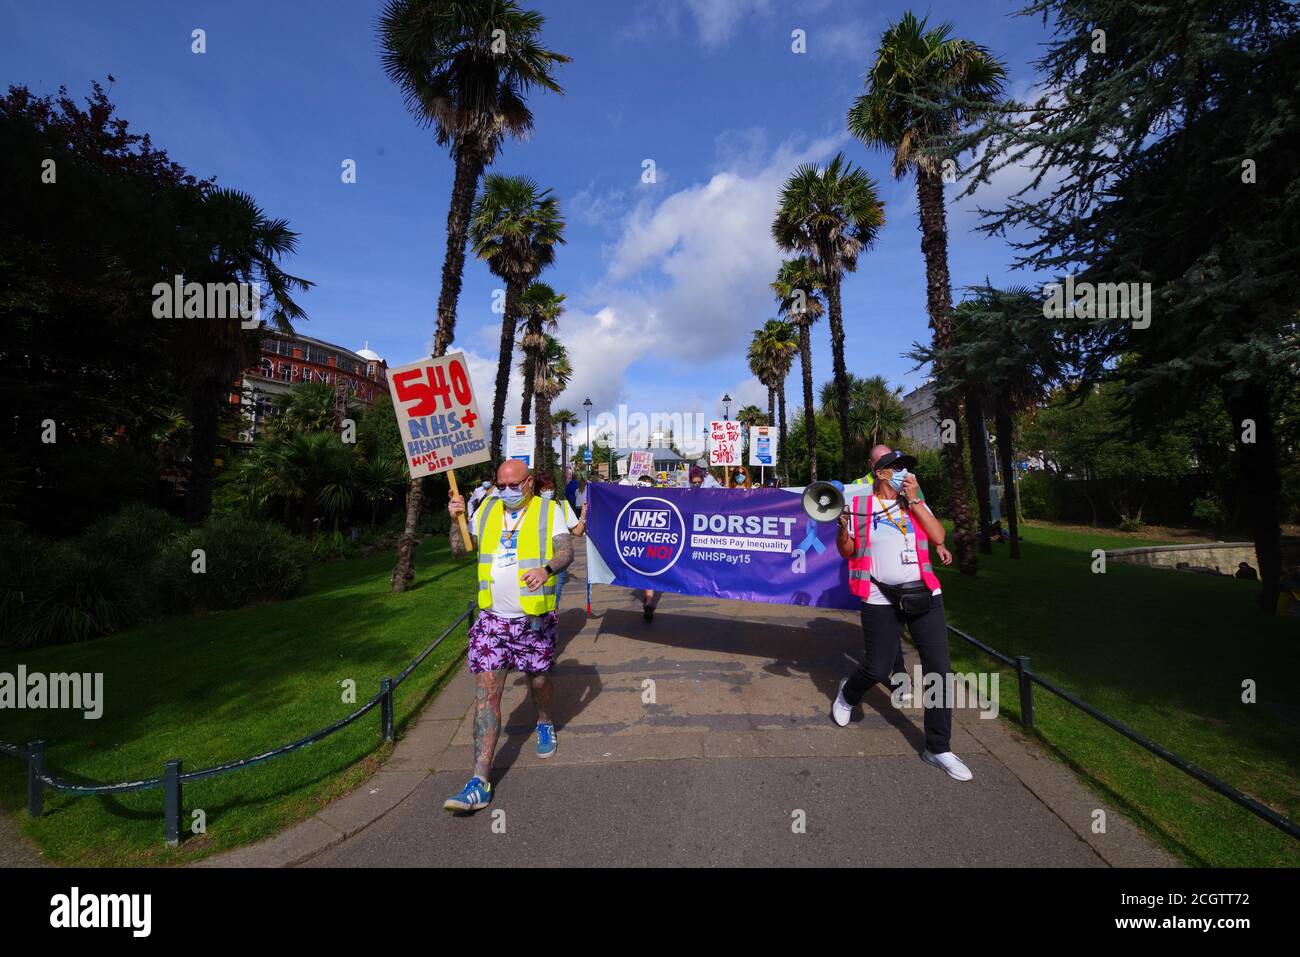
x=860, y=563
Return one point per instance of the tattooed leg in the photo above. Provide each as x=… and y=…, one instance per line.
x=540, y=685
x=487, y=719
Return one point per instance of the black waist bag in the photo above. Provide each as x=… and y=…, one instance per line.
x=912, y=598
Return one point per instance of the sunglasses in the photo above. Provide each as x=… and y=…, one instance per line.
x=515, y=487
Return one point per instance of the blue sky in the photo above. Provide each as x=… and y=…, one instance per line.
x=665, y=281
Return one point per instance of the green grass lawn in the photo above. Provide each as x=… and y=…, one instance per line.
x=213, y=688
x=1165, y=652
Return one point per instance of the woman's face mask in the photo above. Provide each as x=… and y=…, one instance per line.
x=740, y=478
x=548, y=494
x=896, y=480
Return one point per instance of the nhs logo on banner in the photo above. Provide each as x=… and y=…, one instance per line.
x=649, y=534
x=649, y=518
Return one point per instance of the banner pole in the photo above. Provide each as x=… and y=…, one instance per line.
x=464, y=528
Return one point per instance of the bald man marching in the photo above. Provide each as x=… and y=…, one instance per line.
x=522, y=543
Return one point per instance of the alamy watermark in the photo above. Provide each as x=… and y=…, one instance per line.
x=640, y=430
x=1104, y=300
x=75, y=691
x=179, y=299
x=953, y=690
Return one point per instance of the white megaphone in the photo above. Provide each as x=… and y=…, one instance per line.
x=823, y=501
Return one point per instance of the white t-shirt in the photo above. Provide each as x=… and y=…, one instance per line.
x=580, y=496
x=505, y=560
x=888, y=545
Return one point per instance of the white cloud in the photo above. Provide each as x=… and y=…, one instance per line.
x=717, y=19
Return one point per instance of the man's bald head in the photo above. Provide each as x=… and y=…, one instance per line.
x=512, y=472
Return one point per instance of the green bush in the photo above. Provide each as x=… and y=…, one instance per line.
x=245, y=560
x=933, y=479
x=55, y=593
x=1209, y=509
x=132, y=536
x=333, y=547
x=1040, y=497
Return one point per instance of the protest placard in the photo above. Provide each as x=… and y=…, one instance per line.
x=762, y=445
x=520, y=441
x=724, y=443
x=438, y=419
x=640, y=463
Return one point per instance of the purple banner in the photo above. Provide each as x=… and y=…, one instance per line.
x=755, y=545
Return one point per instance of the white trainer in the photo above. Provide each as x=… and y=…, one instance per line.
x=841, y=710
x=949, y=762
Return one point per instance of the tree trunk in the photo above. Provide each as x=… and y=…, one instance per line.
x=530, y=375
x=1002, y=422
x=508, y=322
x=781, y=470
x=205, y=418
x=469, y=167
x=564, y=448
x=979, y=465
x=840, y=369
x=404, y=573
x=1259, y=472
x=771, y=406
x=544, y=454
x=809, y=415
x=934, y=245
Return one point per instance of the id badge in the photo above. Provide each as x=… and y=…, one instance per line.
x=909, y=555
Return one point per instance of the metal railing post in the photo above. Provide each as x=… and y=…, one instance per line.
x=1026, y=692
x=473, y=614
x=386, y=708
x=35, y=786
x=172, y=802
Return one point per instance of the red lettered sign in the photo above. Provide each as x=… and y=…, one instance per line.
x=437, y=415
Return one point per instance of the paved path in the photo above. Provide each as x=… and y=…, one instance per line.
x=734, y=750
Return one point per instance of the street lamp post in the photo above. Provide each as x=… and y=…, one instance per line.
x=726, y=406
x=587, y=405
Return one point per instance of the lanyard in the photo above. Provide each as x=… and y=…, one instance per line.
x=901, y=526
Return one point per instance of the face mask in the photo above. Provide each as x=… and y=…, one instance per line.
x=897, y=479
x=511, y=498
x=548, y=494
x=740, y=478
x=487, y=484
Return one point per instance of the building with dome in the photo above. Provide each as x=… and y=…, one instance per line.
x=290, y=360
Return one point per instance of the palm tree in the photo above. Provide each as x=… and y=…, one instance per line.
x=876, y=414
x=514, y=227
x=772, y=351
x=923, y=86
x=832, y=216
x=541, y=307
x=798, y=288
x=565, y=419
x=244, y=246
x=553, y=374
x=463, y=68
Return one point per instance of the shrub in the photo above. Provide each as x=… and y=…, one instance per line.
x=245, y=560
x=1040, y=496
x=334, y=546
x=1130, y=525
x=133, y=535
x=55, y=593
x=1209, y=509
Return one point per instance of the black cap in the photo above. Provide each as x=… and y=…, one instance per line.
x=893, y=460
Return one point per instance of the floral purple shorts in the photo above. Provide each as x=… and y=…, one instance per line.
x=496, y=643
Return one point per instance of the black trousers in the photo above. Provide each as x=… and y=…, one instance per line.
x=882, y=628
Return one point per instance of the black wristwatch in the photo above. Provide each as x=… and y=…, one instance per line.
x=549, y=572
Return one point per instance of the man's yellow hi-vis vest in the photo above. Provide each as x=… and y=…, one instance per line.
x=535, y=550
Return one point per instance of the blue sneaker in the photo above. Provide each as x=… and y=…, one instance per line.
x=473, y=796
x=545, y=740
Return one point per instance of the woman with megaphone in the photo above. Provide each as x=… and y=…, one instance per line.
x=886, y=537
